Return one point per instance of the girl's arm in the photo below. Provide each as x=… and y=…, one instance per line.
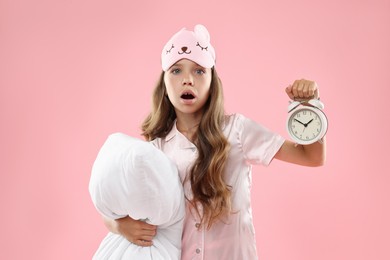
x=307, y=155
x=136, y=231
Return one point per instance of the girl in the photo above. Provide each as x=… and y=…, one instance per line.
x=213, y=152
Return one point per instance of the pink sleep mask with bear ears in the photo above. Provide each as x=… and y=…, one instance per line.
x=193, y=45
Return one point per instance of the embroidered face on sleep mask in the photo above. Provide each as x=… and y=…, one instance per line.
x=193, y=45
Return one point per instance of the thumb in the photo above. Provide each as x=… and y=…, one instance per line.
x=289, y=92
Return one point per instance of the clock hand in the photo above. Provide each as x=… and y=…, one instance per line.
x=309, y=122
x=300, y=122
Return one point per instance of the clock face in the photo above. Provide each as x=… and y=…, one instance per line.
x=306, y=125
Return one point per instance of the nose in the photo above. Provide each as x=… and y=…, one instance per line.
x=188, y=80
x=184, y=49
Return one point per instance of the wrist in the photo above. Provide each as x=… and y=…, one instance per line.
x=111, y=225
x=118, y=225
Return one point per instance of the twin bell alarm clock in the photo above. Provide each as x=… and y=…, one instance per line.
x=306, y=122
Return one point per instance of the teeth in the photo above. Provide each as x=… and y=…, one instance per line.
x=187, y=95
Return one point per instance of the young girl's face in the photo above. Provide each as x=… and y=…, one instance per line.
x=188, y=86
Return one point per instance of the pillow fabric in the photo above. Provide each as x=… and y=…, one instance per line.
x=131, y=177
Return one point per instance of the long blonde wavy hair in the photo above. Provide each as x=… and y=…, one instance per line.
x=206, y=175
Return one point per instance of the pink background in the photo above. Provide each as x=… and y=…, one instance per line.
x=72, y=72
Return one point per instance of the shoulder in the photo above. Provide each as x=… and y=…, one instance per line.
x=238, y=122
x=234, y=127
x=242, y=127
x=233, y=120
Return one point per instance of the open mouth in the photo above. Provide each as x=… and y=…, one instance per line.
x=187, y=96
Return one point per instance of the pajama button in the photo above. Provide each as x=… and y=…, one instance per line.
x=197, y=250
x=197, y=225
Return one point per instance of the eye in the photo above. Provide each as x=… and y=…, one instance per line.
x=200, y=71
x=201, y=47
x=168, y=51
x=175, y=71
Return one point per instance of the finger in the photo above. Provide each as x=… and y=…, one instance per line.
x=300, y=88
x=140, y=224
x=310, y=89
x=146, y=232
x=143, y=243
x=146, y=226
x=316, y=92
x=289, y=92
x=310, y=92
x=146, y=237
x=295, y=88
x=307, y=89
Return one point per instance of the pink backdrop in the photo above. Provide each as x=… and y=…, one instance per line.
x=72, y=72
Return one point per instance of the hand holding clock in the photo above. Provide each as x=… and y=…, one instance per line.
x=306, y=126
x=305, y=109
x=303, y=90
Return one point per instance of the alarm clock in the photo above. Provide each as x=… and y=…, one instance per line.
x=306, y=122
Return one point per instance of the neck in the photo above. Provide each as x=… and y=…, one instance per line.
x=188, y=125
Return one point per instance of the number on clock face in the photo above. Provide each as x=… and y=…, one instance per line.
x=305, y=124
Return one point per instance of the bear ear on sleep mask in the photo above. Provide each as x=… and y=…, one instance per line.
x=193, y=45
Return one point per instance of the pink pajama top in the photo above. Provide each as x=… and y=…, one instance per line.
x=233, y=239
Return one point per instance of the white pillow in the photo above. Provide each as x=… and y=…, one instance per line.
x=132, y=177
